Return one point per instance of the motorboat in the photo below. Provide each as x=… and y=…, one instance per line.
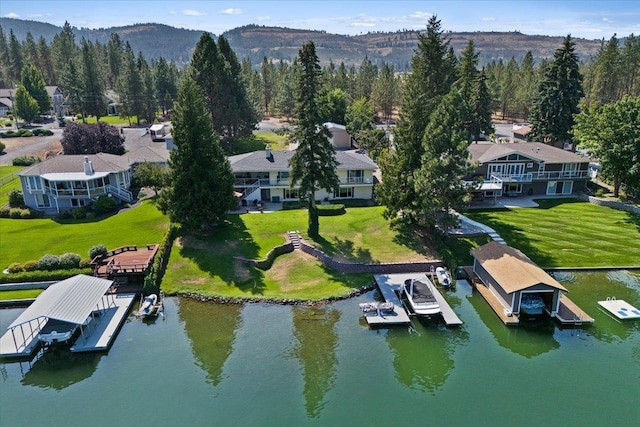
x=419, y=293
x=149, y=306
x=57, y=332
x=444, y=278
x=531, y=304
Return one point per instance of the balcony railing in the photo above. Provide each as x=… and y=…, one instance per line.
x=562, y=174
x=241, y=183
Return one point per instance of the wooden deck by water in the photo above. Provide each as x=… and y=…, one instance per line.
x=390, y=284
x=495, y=304
x=105, y=332
x=570, y=314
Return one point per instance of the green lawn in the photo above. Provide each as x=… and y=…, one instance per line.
x=8, y=181
x=206, y=265
x=569, y=233
x=258, y=141
x=21, y=294
x=29, y=239
x=112, y=120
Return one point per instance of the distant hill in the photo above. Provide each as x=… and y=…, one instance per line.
x=256, y=42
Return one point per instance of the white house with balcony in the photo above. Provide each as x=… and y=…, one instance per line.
x=526, y=168
x=72, y=181
x=264, y=176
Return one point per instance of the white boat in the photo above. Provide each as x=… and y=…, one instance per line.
x=444, y=278
x=419, y=293
x=150, y=306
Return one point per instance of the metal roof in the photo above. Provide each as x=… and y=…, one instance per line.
x=71, y=300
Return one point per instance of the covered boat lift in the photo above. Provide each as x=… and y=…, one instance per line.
x=77, y=302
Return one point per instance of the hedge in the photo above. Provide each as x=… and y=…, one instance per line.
x=331, y=210
x=41, y=276
x=25, y=160
x=154, y=278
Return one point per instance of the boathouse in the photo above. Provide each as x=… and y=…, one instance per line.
x=73, y=304
x=509, y=274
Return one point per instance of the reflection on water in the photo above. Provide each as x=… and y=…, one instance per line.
x=58, y=368
x=423, y=353
x=211, y=329
x=530, y=338
x=315, y=331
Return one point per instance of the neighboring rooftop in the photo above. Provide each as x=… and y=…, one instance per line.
x=486, y=152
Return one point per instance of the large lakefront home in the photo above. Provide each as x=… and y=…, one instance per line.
x=527, y=168
x=264, y=176
x=71, y=181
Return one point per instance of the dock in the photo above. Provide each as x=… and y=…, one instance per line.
x=105, y=332
x=390, y=285
x=388, y=290
x=620, y=308
x=504, y=315
x=23, y=344
x=570, y=314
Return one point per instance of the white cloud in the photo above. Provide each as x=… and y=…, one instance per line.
x=263, y=18
x=488, y=19
x=231, y=11
x=191, y=12
x=420, y=15
x=363, y=24
x=607, y=20
x=172, y=12
x=12, y=15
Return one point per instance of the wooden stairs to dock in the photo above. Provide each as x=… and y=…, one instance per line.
x=294, y=237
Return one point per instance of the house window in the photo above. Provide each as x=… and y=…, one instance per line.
x=355, y=176
x=35, y=183
x=42, y=201
x=291, y=194
x=283, y=176
x=513, y=188
x=77, y=203
x=343, y=193
x=529, y=165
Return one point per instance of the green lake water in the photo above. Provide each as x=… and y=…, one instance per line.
x=227, y=365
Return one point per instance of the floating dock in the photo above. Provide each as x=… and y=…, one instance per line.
x=620, y=308
x=390, y=285
x=105, y=332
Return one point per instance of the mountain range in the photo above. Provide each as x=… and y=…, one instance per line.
x=256, y=42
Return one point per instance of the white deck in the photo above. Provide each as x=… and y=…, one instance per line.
x=388, y=290
x=106, y=330
x=620, y=308
x=390, y=282
x=27, y=343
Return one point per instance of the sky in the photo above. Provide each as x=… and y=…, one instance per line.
x=586, y=19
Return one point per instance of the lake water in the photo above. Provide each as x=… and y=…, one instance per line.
x=207, y=364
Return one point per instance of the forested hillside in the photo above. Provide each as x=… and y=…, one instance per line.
x=255, y=42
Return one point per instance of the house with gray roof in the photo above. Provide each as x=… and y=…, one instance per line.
x=264, y=176
x=72, y=181
x=526, y=168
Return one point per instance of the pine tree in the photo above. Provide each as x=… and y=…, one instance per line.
x=268, y=74
x=64, y=51
x=115, y=53
x=93, y=102
x=558, y=96
x=166, y=89
x=607, y=73
x=30, y=52
x=432, y=77
x=148, y=93
x=285, y=89
x=439, y=188
x=480, y=104
x=385, y=91
x=129, y=87
x=44, y=53
x=15, y=58
x=200, y=176
x=526, y=86
x=365, y=78
x=4, y=60
x=313, y=165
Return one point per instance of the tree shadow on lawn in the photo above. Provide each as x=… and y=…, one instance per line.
x=552, y=203
x=350, y=280
x=517, y=238
x=343, y=250
x=633, y=219
x=416, y=238
x=215, y=252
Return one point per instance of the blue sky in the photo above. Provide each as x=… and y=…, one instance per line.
x=588, y=19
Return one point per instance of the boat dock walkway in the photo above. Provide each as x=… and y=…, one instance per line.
x=106, y=330
x=24, y=343
x=388, y=290
x=570, y=314
x=390, y=285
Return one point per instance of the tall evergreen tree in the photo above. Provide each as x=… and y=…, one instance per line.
x=201, y=180
x=30, y=51
x=432, y=77
x=313, y=165
x=558, y=96
x=93, y=102
x=4, y=60
x=115, y=53
x=480, y=104
x=630, y=78
x=129, y=87
x=268, y=74
x=285, y=89
x=15, y=58
x=33, y=81
x=526, y=86
x=438, y=184
x=365, y=79
x=44, y=54
x=148, y=92
x=386, y=91
x=607, y=73
x=166, y=89
x=64, y=51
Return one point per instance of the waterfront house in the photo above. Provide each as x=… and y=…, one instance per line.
x=526, y=168
x=264, y=176
x=509, y=274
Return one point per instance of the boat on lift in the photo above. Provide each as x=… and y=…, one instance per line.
x=419, y=293
x=444, y=278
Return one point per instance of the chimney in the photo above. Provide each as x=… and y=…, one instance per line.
x=88, y=166
x=267, y=153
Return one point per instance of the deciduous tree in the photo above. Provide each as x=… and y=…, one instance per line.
x=80, y=138
x=33, y=81
x=26, y=106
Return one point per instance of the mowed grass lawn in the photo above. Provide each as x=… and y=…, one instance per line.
x=569, y=233
x=29, y=239
x=8, y=181
x=206, y=264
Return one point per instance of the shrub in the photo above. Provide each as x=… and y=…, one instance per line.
x=49, y=263
x=331, y=210
x=42, y=132
x=104, y=204
x=40, y=276
x=25, y=133
x=15, y=267
x=64, y=215
x=26, y=213
x=25, y=160
x=599, y=192
x=291, y=204
x=85, y=263
x=70, y=260
x=97, y=250
x=79, y=213
x=4, y=212
x=15, y=198
x=2, y=147
x=30, y=265
x=19, y=213
x=90, y=215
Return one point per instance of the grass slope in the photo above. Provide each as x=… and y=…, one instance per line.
x=29, y=239
x=569, y=233
x=8, y=181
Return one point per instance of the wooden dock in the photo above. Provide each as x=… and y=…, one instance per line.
x=388, y=290
x=570, y=314
x=108, y=327
x=495, y=304
x=390, y=285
